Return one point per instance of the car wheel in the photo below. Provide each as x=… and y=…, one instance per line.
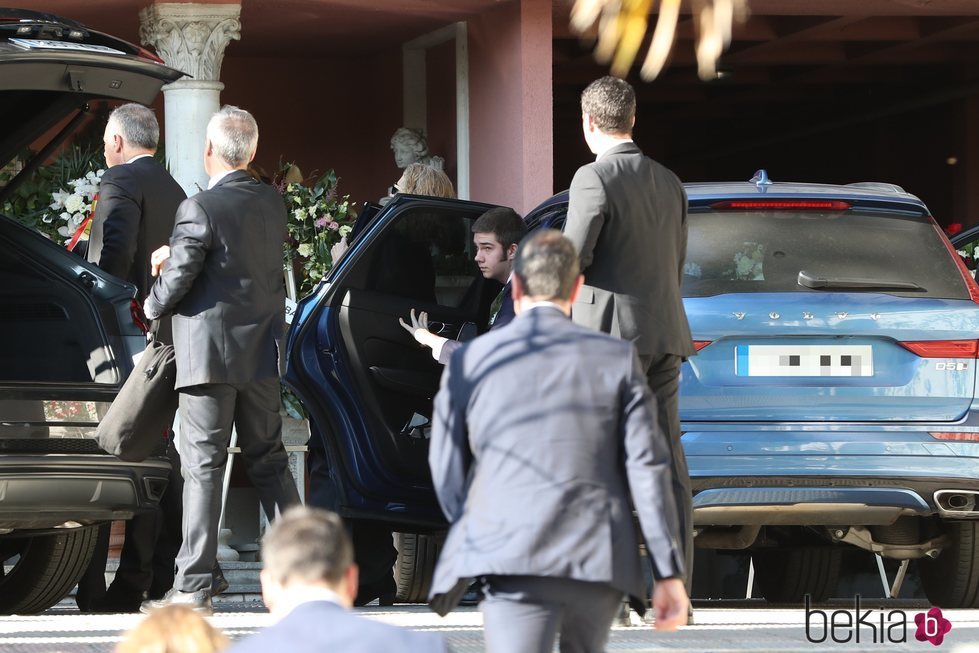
x=788, y=575
x=41, y=570
x=417, y=555
x=952, y=579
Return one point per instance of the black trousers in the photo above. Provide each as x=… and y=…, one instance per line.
x=663, y=374
x=146, y=563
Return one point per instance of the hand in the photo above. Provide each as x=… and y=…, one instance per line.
x=418, y=327
x=158, y=258
x=670, y=604
x=148, y=311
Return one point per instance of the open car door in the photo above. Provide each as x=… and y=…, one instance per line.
x=365, y=381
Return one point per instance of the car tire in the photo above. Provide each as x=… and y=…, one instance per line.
x=788, y=575
x=417, y=555
x=952, y=579
x=45, y=568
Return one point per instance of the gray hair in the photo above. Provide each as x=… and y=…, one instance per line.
x=138, y=125
x=611, y=102
x=547, y=265
x=234, y=134
x=307, y=544
x=411, y=138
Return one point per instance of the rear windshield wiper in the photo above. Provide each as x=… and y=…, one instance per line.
x=812, y=281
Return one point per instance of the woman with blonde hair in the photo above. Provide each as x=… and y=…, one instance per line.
x=423, y=179
x=173, y=629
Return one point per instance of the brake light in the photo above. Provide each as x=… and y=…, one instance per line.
x=700, y=344
x=970, y=281
x=769, y=205
x=943, y=348
x=136, y=311
x=955, y=436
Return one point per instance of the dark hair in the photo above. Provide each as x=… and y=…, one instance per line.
x=504, y=223
x=138, y=125
x=308, y=544
x=547, y=265
x=611, y=103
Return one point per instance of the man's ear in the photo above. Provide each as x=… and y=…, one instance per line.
x=511, y=252
x=350, y=580
x=578, y=283
x=517, y=290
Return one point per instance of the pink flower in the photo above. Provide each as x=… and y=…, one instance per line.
x=333, y=226
x=321, y=222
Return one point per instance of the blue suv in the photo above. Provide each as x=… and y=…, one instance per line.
x=831, y=403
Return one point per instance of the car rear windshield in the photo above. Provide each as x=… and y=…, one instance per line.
x=764, y=251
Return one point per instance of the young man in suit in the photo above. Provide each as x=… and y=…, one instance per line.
x=496, y=235
x=221, y=279
x=627, y=218
x=134, y=216
x=309, y=582
x=538, y=479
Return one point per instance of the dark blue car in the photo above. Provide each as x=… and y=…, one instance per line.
x=832, y=401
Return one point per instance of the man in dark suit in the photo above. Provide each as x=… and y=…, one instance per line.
x=309, y=581
x=134, y=216
x=627, y=217
x=496, y=235
x=538, y=479
x=222, y=281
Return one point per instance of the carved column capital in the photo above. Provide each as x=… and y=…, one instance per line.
x=191, y=37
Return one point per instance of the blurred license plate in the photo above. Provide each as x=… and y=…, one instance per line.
x=803, y=360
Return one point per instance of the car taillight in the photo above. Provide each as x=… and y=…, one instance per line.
x=136, y=311
x=777, y=205
x=942, y=348
x=970, y=281
x=700, y=344
x=958, y=436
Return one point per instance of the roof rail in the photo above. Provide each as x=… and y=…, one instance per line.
x=878, y=185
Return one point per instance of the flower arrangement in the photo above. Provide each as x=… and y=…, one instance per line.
x=71, y=207
x=318, y=219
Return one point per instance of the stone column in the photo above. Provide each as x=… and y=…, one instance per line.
x=190, y=38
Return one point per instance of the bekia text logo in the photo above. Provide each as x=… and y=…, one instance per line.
x=872, y=626
x=932, y=626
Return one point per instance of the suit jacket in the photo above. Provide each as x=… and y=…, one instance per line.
x=627, y=216
x=321, y=626
x=224, y=284
x=503, y=317
x=133, y=217
x=536, y=476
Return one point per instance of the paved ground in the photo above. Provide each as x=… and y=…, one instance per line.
x=719, y=629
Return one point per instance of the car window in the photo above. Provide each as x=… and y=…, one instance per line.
x=427, y=255
x=969, y=251
x=764, y=251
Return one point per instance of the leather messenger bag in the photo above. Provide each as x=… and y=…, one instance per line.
x=138, y=421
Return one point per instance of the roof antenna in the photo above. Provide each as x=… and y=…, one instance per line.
x=760, y=178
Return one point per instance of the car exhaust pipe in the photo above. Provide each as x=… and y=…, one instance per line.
x=957, y=503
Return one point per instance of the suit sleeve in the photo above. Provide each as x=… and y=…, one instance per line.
x=120, y=226
x=647, y=464
x=587, y=211
x=683, y=232
x=449, y=456
x=189, y=244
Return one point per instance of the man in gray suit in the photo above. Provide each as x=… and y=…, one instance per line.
x=627, y=217
x=539, y=478
x=309, y=581
x=222, y=281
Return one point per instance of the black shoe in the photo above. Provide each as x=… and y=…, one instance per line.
x=219, y=584
x=385, y=591
x=117, y=603
x=199, y=601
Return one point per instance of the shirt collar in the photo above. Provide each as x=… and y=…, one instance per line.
x=611, y=144
x=218, y=177
x=541, y=304
x=299, y=595
x=139, y=156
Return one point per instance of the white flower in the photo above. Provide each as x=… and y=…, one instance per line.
x=305, y=250
x=77, y=219
x=299, y=214
x=65, y=216
x=58, y=198
x=47, y=218
x=74, y=203
x=65, y=231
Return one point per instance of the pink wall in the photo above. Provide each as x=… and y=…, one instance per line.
x=335, y=113
x=510, y=102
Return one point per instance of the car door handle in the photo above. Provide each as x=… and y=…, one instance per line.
x=442, y=328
